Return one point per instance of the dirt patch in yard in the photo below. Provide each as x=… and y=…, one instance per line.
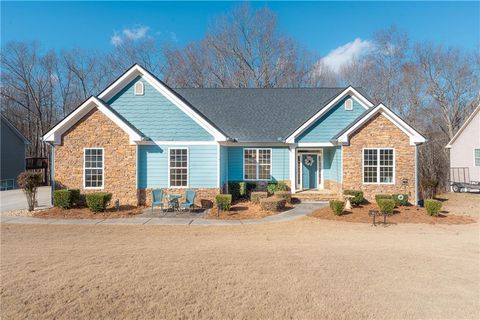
x=85, y=213
x=243, y=210
x=408, y=214
x=461, y=203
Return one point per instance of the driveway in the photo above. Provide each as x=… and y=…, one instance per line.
x=16, y=200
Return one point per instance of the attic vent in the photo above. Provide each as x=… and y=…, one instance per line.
x=138, y=88
x=349, y=105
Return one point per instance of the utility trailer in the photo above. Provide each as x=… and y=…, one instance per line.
x=460, y=180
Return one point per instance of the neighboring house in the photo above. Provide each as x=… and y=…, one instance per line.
x=13, y=151
x=139, y=134
x=465, y=150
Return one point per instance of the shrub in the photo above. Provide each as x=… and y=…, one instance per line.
x=287, y=195
x=433, y=207
x=234, y=189
x=75, y=197
x=337, y=207
x=29, y=182
x=400, y=199
x=383, y=196
x=358, y=200
x=223, y=201
x=62, y=198
x=240, y=189
x=257, y=195
x=276, y=186
x=386, y=205
x=272, y=204
x=98, y=201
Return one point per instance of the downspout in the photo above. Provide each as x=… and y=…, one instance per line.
x=416, y=176
x=52, y=171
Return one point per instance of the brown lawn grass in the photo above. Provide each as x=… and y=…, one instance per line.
x=407, y=214
x=85, y=213
x=305, y=269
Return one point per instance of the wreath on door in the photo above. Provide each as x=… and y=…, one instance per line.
x=308, y=161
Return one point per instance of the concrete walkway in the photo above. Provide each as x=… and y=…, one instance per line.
x=299, y=211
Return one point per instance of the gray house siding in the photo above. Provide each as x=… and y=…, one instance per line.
x=12, y=152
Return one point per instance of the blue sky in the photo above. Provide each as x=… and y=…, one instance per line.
x=319, y=26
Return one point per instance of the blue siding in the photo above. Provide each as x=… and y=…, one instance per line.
x=153, y=166
x=332, y=163
x=331, y=123
x=155, y=116
x=280, y=163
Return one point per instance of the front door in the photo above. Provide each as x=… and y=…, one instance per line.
x=309, y=171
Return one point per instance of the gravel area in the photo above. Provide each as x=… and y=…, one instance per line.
x=308, y=268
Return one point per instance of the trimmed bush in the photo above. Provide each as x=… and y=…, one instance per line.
x=272, y=204
x=383, y=196
x=337, y=207
x=287, y=195
x=75, y=197
x=223, y=201
x=62, y=198
x=400, y=199
x=256, y=196
x=433, y=207
x=386, y=205
x=276, y=186
x=358, y=200
x=240, y=189
x=234, y=189
x=98, y=201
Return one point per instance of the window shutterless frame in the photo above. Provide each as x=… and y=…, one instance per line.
x=378, y=166
x=84, y=168
x=476, y=157
x=187, y=167
x=257, y=164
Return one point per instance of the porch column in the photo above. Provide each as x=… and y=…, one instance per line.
x=293, y=177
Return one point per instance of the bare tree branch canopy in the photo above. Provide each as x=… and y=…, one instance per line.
x=433, y=87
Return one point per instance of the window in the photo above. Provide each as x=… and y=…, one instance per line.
x=349, y=105
x=477, y=157
x=138, y=88
x=178, y=167
x=93, y=168
x=257, y=164
x=378, y=166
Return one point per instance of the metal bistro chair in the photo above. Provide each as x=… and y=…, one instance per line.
x=189, y=200
x=157, y=198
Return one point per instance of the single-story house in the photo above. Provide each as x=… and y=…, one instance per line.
x=13, y=154
x=140, y=134
x=465, y=150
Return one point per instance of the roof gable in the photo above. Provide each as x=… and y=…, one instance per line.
x=167, y=92
x=54, y=135
x=462, y=128
x=12, y=128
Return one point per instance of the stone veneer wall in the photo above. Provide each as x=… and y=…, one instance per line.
x=379, y=132
x=97, y=130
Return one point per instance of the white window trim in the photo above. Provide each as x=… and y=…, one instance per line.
x=188, y=168
x=142, y=91
x=103, y=169
x=474, y=157
x=378, y=166
x=258, y=164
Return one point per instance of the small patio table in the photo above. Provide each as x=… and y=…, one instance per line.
x=173, y=201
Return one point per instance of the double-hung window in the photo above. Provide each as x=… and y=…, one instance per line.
x=378, y=165
x=93, y=168
x=257, y=164
x=477, y=157
x=178, y=163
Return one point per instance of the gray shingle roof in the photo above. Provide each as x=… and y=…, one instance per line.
x=259, y=115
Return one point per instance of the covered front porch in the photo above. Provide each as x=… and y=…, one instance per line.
x=316, y=171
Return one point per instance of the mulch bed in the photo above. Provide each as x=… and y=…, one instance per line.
x=244, y=210
x=85, y=213
x=408, y=214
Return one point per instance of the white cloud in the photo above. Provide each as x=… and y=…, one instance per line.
x=116, y=40
x=132, y=34
x=345, y=53
x=136, y=33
